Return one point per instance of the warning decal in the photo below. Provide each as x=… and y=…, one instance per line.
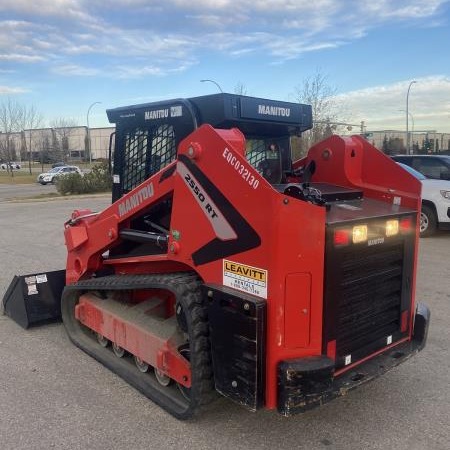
x=41, y=278
x=245, y=278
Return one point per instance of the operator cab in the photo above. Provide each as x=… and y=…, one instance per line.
x=147, y=136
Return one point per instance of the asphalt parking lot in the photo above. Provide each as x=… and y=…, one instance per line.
x=10, y=192
x=54, y=396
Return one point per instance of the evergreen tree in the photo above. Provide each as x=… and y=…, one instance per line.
x=426, y=146
x=385, y=147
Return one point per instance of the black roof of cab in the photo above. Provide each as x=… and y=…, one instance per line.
x=251, y=115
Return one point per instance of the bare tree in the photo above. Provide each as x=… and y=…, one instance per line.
x=11, y=116
x=31, y=119
x=316, y=91
x=42, y=140
x=61, y=130
x=15, y=118
x=240, y=89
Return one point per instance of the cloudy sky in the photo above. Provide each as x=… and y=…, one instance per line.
x=63, y=55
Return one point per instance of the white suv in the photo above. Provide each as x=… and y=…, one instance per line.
x=52, y=175
x=435, y=203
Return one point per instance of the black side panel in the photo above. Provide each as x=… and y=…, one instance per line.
x=421, y=324
x=35, y=298
x=237, y=327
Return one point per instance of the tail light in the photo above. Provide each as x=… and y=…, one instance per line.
x=341, y=237
x=406, y=224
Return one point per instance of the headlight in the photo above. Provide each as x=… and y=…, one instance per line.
x=47, y=178
x=446, y=194
x=391, y=227
x=359, y=233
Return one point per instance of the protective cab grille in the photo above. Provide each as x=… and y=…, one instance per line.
x=366, y=290
x=146, y=152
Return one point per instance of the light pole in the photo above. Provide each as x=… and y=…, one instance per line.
x=214, y=82
x=89, y=132
x=412, y=120
x=407, y=116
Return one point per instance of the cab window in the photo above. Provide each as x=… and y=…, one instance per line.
x=265, y=155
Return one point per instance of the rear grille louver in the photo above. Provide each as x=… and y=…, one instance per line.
x=364, y=305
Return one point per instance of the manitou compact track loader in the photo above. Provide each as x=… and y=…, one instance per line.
x=223, y=266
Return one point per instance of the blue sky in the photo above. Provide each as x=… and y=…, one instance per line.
x=63, y=55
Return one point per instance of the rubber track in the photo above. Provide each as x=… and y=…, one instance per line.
x=186, y=289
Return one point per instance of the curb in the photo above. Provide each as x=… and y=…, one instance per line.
x=49, y=199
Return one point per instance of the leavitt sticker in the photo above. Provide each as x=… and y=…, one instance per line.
x=245, y=278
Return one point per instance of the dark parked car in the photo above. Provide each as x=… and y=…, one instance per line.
x=432, y=166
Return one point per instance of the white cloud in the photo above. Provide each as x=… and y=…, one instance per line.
x=62, y=9
x=282, y=28
x=20, y=58
x=8, y=90
x=133, y=33
x=74, y=70
x=154, y=70
x=303, y=10
x=384, y=107
x=403, y=9
x=138, y=72
x=42, y=44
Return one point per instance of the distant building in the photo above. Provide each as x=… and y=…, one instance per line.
x=100, y=138
x=70, y=144
x=56, y=144
x=436, y=142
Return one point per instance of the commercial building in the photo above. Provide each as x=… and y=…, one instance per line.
x=71, y=143
x=56, y=144
x=429, y=141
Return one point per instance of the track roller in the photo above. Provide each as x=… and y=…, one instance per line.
x=140, y=364
x=102, y=340
x=118, y=351
x=193, y=336
x=162, y=378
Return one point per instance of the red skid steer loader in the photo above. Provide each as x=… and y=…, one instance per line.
x=223, y=266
